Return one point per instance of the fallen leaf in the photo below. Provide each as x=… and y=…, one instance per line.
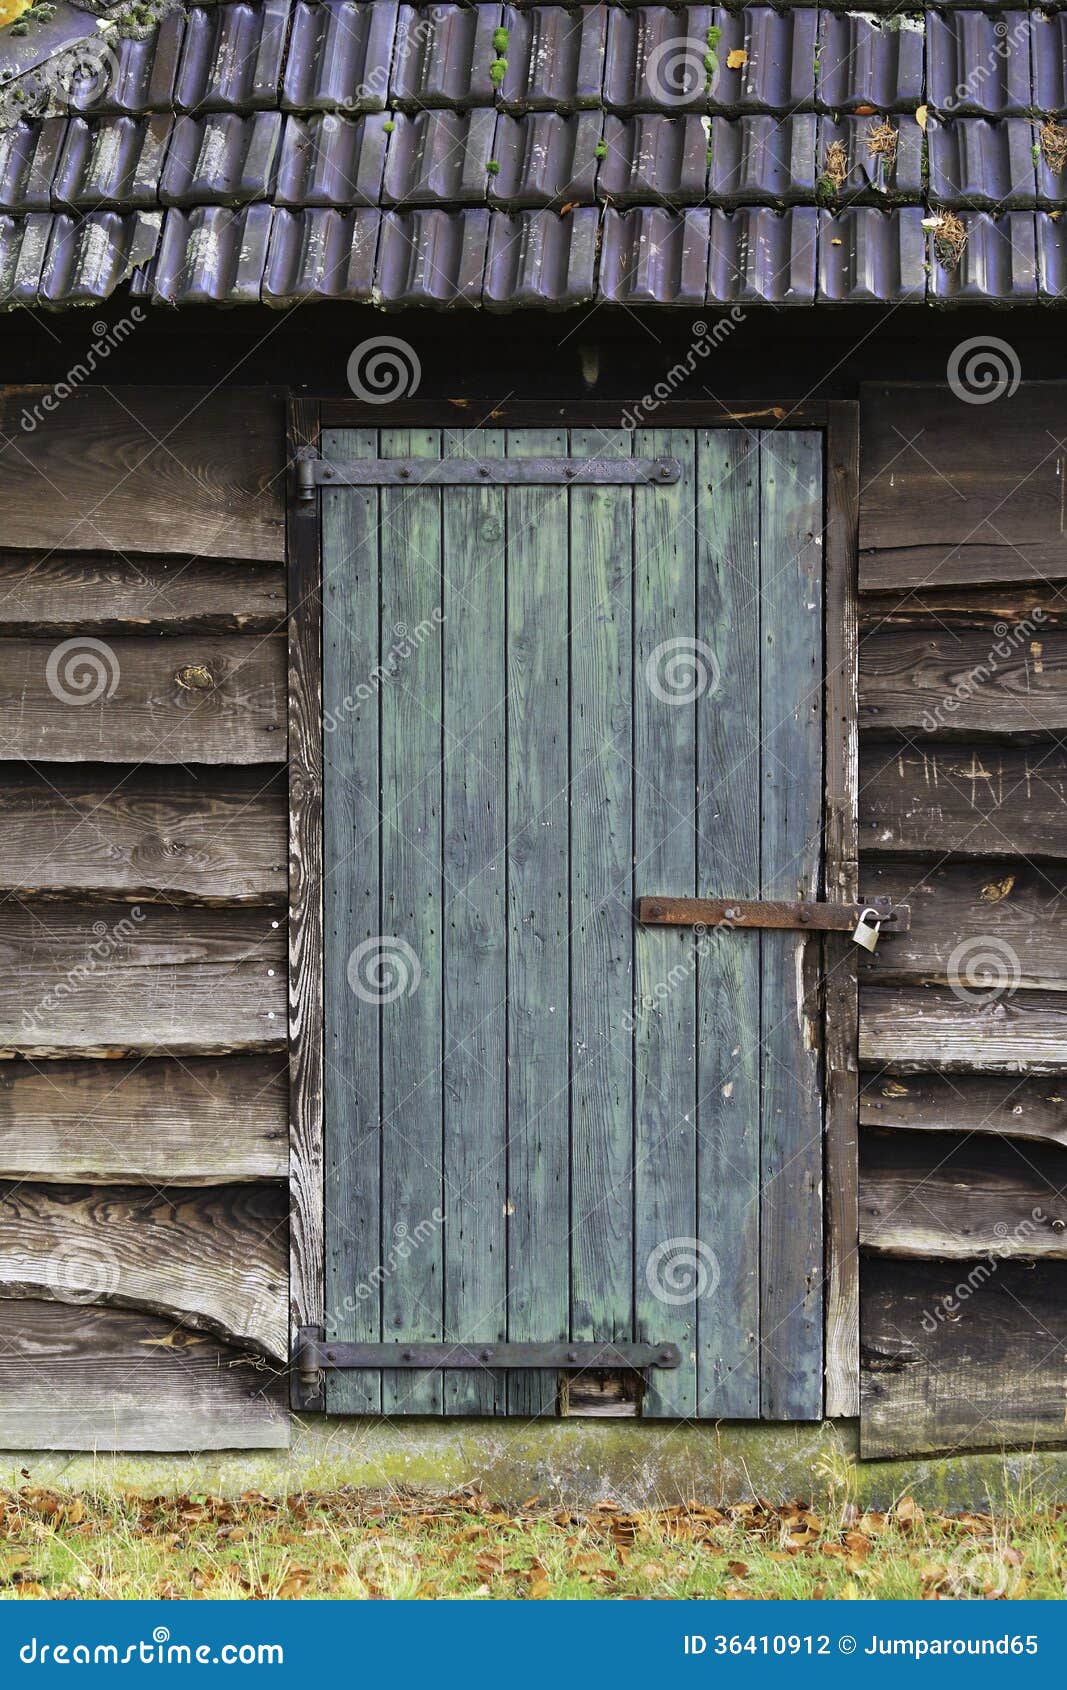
x=736, y=58
x=920, y=117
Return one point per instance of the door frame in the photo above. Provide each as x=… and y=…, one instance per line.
x=838, y=421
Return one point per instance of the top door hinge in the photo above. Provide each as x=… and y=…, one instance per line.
x=311, y=471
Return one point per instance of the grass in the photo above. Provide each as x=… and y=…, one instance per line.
x=352, y=1545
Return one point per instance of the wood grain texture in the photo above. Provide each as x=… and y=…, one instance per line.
x=473, y=861
x=184, y=835
x=211, y=1258
x=151, y=464
x=911, y=1030
x=981, y=799
x=76, y=1377
x=352, y=917
x=201, y=1121
x=602, y=775
x=728, y=975
x=953, y=684
x=104, y=594
x=791, y=718
x=946, y=501
x=961, y=1356
x=935, y=1197
x=144, y=980
x=209, y=698
x=1013, y=1107
x=985, y=926
x=538, y=593
x=990, y=608
x=412, y=1031
x=841, y=880
x=305, y=937
x=665, y=1067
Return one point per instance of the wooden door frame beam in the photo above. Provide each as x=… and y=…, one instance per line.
x=840, y=422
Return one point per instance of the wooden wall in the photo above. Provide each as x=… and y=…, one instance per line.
x=143, y=1092
x=963, y=811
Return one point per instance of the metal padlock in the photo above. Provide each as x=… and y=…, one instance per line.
x=866, y=932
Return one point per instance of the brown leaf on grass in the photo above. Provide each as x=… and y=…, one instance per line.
x=737, y=1569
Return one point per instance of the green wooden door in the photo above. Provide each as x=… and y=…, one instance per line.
x=542, y=1120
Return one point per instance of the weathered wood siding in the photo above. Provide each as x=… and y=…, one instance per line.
x=963, y=1025
x=143, y=1094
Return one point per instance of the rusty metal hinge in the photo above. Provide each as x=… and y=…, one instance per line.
x=313, y=1355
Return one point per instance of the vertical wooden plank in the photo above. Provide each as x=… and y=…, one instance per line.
x=307, y=1229
x=842, y=882
x=538, y=918
x=601, y=540
x=351, y=917
x=728, y=840
x=671, y=672
x=410, y=705
x=791, y=1338
x=475, y=934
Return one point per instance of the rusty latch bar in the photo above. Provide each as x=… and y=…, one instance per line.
x=315, y=1355
x=311, y=471
x=814, y=914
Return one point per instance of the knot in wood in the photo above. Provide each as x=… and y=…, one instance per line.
x=196, y=677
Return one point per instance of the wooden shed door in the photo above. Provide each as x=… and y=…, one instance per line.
x=544, y=1121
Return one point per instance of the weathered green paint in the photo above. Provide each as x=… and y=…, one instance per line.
x=728, y=857
x=791, y=717
x=412, y=737
x=538, y=917
x=604, y=692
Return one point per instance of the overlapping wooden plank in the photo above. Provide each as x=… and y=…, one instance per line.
x=601, y=713
x=994, y=608
x=1012, y=1107
x=144, y=980
x=945, y=501
x=909, y=1030
x=208, y=698
x=474, y=844
x=935, y=1197
x=77, y=1377
x=199, y=835
x=83, y=594
x=953, y=684
x=978, y=926
x=791, y=717
x=538, y=918
x=152, y=463
x=961, y=1356
x=201, y=1121
x=728, y=863
x=976, y=800
x=307, y=1243
x=213, y=1258
x=412, y=950
x=665, y=961
x=352, y=918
